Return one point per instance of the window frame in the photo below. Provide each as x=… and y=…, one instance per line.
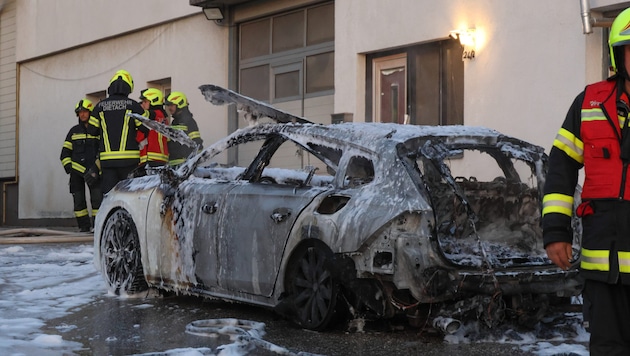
x=277, y=60
x=411, y=53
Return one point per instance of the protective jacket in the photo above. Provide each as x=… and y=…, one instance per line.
x=595, y=136
x=183, y=120
x=78, y=155
x=155, y=148
x=80, y=150
x=118, y=145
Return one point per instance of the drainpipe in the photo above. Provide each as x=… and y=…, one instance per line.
x=588, y=21
x=17, y=145
x=2, y=3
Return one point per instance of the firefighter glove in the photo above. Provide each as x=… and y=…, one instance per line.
x=91, y=177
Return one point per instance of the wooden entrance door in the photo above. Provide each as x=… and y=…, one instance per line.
x=390, y=89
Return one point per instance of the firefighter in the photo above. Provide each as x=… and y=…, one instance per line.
x=154, y=147
x=177, y=106
x=79, y=157
x=119, y=151
x=596, y=136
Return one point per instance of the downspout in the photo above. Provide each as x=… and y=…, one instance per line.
x=17, y=145
x=588, y=21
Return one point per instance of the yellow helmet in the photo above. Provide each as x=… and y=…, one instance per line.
x=619, y=37
x=83, y=104
x=154, y=96
x=177, y=98
x=125, y=76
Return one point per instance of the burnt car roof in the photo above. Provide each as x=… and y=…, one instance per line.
x=374, y=135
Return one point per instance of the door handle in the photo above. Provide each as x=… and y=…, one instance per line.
x=209, y=208
x=280, y=214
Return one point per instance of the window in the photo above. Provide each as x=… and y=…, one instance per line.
x=162, y=84
x=288, y=56
x=96, y=96
x=422, y=85
x=255, y=39
x=288, y=32
x=287, y=81
x=360, y=171
x=320, y=72
x=274, y=160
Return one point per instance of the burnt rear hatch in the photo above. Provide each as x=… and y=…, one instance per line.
x=486, y=198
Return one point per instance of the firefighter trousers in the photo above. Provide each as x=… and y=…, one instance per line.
x=77, y=189
x=607, y=316
x=112, y=175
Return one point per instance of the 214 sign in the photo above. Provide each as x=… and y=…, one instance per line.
x=469, y=52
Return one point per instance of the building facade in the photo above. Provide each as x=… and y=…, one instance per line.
x=510, y=65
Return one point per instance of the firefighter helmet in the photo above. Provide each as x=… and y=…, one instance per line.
x=619, y=37
x=154, y=96
x=177, y=98
x=83, y=104
x=125, y=76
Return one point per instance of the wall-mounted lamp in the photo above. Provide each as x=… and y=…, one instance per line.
x=216, y=14
x=213, y=13
x=468, y=39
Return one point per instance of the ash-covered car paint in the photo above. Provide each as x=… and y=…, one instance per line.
x=438, y=223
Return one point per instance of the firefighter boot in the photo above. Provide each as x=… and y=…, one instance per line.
x=84, y=223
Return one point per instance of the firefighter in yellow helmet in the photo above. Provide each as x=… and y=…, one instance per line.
x=595, y=135
x=177, y=106
x=119, y=151
x=79, y=156
x=154, y=146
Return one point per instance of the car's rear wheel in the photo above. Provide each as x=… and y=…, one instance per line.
x=120, y=255
x=311, y=284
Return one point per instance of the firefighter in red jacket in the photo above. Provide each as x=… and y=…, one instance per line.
x=79, y=157
x=596, y=136
x=119, y=151
x=154, y=147
x=177, y=106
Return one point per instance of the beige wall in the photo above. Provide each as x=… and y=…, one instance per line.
x=189, y=50
x=49, y=26
x=530, y=61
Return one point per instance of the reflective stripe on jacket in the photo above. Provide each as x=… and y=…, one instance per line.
x=118, y=145
x=80, y=149
x=183, y=120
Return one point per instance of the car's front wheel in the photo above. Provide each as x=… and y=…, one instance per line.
x=311, y=284
x=120, y=255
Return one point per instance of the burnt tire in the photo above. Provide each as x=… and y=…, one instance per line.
x=120, y=255
x=310, y=282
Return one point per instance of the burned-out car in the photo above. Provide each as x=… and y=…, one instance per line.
x=438, y=223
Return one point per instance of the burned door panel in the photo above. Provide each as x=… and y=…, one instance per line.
x=186, y=255
x=206, y=237
x=257, y=220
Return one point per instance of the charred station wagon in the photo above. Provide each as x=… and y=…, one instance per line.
x=379, y=219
